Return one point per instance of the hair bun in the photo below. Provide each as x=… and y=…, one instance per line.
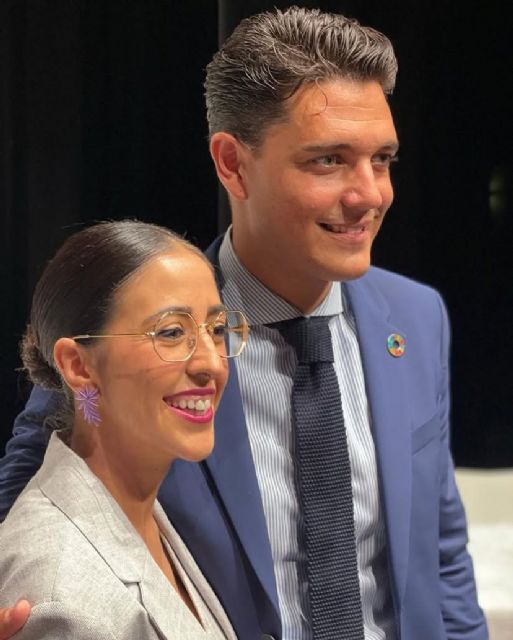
x=36, y=365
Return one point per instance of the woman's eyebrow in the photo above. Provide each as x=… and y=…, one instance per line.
x=217, y=308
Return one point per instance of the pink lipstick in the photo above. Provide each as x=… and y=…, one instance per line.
x=194, y=405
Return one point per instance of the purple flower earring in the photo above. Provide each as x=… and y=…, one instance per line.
x=87, y=401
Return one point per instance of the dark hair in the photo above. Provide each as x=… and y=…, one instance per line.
x=76, y=291
x=271, y=54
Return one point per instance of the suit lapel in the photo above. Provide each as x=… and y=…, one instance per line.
x=385, y=378
x=233, y=471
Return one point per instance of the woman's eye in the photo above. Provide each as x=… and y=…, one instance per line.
x=170, y=333
x=218, y=331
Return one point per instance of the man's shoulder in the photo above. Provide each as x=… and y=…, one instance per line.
x=212, y=251
x=398, y=289
x=406, y=302
x=396, y=281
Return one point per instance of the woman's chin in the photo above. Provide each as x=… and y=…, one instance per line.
x=198, y=450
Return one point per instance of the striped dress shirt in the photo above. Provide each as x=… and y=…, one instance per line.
x=265, y=373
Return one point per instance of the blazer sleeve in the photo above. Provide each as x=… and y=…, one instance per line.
x=462, y=616
x=51, y=620
x=25, y=450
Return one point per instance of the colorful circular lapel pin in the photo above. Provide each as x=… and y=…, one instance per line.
x=395, y=345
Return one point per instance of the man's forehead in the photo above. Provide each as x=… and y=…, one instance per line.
x=336, y=111
x=339, y=99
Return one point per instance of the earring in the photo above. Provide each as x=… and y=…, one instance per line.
x=87, y=401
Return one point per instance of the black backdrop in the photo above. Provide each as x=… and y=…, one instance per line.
x=101, y=116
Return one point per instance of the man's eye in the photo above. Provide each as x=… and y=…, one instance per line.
x=326, y=161
x=384, y=160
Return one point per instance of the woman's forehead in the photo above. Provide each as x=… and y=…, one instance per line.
x=178, y=278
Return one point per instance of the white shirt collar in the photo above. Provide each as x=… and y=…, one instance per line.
x=243, y=291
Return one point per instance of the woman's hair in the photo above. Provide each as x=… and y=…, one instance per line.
x=75, y=294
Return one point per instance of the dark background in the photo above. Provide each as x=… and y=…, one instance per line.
x=102, y=116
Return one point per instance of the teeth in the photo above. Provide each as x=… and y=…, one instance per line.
x=340, y=228
x=193, y=405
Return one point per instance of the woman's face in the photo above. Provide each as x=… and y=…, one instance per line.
x=150, y=407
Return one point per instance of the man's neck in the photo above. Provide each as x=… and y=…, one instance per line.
x=306, y=294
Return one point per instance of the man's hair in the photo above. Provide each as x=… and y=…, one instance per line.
x=271, y=54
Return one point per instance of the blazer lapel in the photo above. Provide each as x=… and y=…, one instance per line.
x=74, y=489
x=84, y=500
x=385, y=378
x=190, y=573
x=167, y=612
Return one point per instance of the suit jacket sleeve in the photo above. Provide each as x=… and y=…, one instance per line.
x=25, y=450
x=52, y=620
x=462, y=616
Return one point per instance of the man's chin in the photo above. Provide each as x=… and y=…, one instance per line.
x=350, y=270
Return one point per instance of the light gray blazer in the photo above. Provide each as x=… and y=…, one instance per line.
x=67, y=547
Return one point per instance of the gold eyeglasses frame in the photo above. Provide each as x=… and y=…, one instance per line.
x=242, y=329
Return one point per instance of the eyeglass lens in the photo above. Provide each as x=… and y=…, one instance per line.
x=176, y=335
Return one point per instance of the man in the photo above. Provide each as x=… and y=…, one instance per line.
x=302, y=138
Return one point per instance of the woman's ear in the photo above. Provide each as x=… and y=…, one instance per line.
x=73, y=363
x=229, y=157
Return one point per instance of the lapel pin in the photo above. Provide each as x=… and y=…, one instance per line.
x=395, y=345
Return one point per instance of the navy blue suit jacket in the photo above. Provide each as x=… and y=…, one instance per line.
x=217, y=508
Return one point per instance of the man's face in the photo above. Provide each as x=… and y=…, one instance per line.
x=317, y=189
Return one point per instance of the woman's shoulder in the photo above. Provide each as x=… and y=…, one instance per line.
x=54, y=540
x=51, y=562
x=37, y=539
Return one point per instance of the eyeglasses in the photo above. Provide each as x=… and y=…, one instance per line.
x=176, y=333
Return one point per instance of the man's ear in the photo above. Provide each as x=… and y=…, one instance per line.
x=229, y=157
x=73, y=363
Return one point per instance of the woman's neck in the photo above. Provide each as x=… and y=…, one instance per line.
x=131, y=476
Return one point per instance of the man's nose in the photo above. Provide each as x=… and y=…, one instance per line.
x=362, y=188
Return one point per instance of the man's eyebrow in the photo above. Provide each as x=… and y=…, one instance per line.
x=320, y=148
x=217, y=308
x=392, y=146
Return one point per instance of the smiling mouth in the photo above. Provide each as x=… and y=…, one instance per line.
x=351, y=230
x=198, y=407
x=195, y=411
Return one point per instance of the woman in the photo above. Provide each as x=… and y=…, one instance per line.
x=126, y=320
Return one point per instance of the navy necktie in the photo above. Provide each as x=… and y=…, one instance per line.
x=324, y=478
